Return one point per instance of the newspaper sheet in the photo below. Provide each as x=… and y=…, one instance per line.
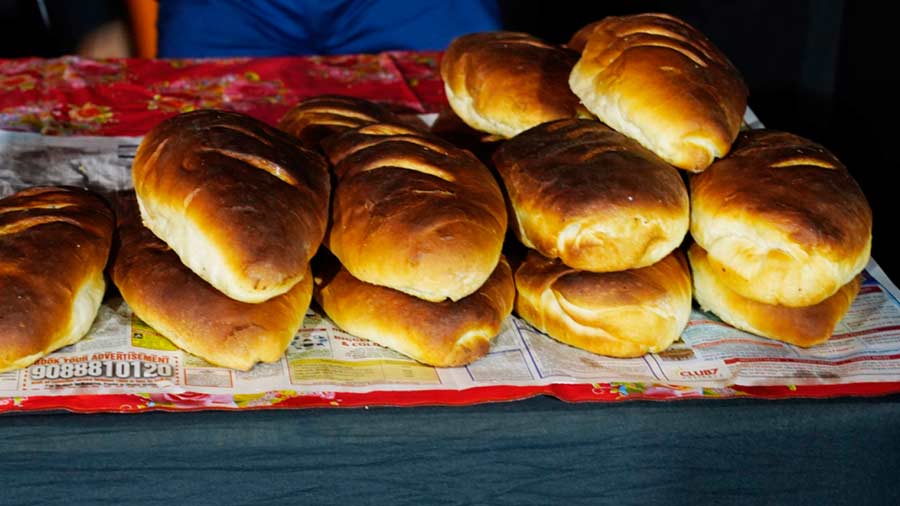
x=123, y=355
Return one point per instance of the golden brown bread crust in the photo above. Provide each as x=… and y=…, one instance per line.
x=317, y=118
x=582, y=36
x=658, y=80
x=443, y=334
x=592, y=197
x=506, y=82
x=414, y=213
x=782, y=219
x=241, y=203
x=801, y=326
x=619, y=314
x=54, y=244
x=189, y=311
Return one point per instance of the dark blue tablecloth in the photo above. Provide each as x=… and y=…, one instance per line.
x=540, y=451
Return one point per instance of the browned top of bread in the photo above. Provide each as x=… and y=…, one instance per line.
x=623, y=314
x=189, y=311
x=506, y=82
x=224, y=186
x=317, y=118
x=444, y=334
x=592, y=197
x=53, y=242
x=783, y=218
x=414, y=213
x=657, y=79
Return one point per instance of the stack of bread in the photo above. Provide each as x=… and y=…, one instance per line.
x=602, y=215
x=54, y=245
x=418, y=226
x=781, y=233
x=603, y=210
x=234, y=210
x=215, y=246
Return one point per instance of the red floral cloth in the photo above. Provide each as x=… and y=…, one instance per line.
x=72, y=96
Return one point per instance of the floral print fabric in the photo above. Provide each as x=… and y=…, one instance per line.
x=76, y=96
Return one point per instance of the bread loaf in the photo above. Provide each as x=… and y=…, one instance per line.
x=54, y=244
x=414, y=213
x=801, y=326
x=592, y=197
x=199, y=319
x=661, y=82
x=242, y=204
x=782, y=220
x=619, y=314
x=504, y=83
x=320, y=117
x=443, y=334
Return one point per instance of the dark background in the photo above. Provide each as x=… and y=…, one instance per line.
x=823, y=69
x=24, y=31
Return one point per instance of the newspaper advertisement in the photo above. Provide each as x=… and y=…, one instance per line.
x=121, y=354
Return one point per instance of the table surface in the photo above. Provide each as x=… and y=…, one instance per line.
x=537, y=451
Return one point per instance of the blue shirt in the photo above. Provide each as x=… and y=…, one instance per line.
x=219, y=28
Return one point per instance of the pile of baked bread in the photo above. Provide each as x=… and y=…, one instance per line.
x=215, y=247
x=212, y=248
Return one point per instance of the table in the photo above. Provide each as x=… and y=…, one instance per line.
x=537, y=451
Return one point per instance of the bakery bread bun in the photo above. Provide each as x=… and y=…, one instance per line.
x=189, y=311
x=619, y=314
x=658, y=80
x=592, y=197
x=443, y=334
x=801, y=326
x=320, y=117
x=242, y=204
x=504, y=83
x=782, y=220
x=414, y=213
x=54, y=244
